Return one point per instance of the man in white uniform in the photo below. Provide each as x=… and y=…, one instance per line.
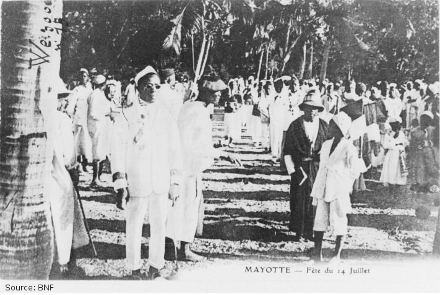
x=98, y=121
x=153, y=158
x=77, y=109
x=198, y=153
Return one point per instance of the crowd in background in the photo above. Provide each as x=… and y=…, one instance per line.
x=395, y=123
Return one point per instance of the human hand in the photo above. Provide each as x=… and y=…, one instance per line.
x=174, y=192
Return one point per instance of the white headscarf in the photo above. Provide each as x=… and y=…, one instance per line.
x=343, y=121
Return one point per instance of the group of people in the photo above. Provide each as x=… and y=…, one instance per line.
x=327, y=135
x=389, y=120
x=157, y=137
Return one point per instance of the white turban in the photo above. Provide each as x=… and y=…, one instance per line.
x=343, y=121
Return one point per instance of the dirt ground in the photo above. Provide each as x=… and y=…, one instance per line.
x=246, y=223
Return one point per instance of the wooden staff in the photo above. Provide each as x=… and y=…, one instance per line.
x=85, y=220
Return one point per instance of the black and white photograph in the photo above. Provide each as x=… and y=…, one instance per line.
x=219, y=146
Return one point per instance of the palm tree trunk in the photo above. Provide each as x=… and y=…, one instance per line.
x=324, y=64
x=259, y=64
x=26, y=238
x=436, y=248
x=310, y=69
x=303, y=62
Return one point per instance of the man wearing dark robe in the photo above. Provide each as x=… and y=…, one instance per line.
x=301, y=154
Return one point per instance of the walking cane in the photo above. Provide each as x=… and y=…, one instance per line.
x=85, y=220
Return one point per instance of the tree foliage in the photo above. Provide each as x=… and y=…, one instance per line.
x=367, y=39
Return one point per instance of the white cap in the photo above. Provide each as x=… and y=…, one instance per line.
x=144, y=72
x=343, y=121
x=111, y=82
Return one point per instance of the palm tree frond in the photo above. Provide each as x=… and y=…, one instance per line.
x=174, y=39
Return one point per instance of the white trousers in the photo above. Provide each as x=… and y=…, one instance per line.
x=265, y=135
x=83, y=142
x=255, y=129
x=330, y=215
x=154, y=206
x=276, y=138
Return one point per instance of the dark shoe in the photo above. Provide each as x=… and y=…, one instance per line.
x=153, y=273
x=138, y=275
x=95, y=180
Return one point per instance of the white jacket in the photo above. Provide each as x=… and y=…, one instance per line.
x=153, y=151
x=337, y=172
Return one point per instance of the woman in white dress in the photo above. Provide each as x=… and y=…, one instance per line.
x=394, y=168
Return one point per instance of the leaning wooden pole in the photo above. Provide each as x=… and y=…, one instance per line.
x=303, y=61
x=30, y=62
x=205, y=59
x=259, y=64
x=200, y=59
x=267, y=61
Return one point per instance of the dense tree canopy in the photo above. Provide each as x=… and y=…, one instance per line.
x=365, y=39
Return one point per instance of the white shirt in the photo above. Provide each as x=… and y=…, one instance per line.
x=78, y=104
x=99, y=105
x=311, y=129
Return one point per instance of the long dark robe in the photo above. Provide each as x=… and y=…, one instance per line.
x=299, y=147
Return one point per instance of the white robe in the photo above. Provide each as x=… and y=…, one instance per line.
x=394, y=107
x=277, y=113
x=172, y=99
x=391, y=166
x=98, y=123
x=67, y=218
x=78, y=107
x=198, y=153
